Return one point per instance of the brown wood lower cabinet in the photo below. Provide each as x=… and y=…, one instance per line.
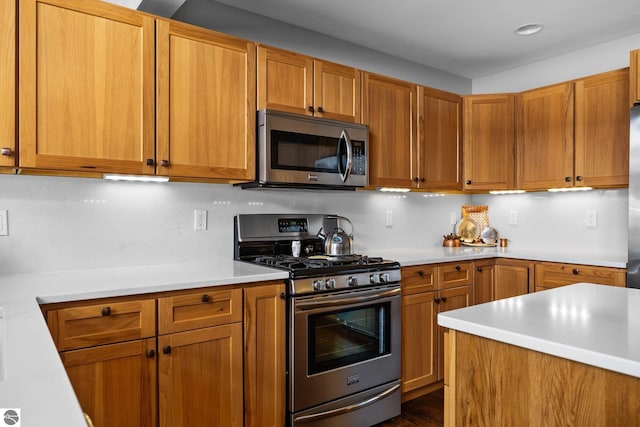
x=210, y=363
x=500, y=278
x=551, y=275
x=200, y=377
x=115, y=383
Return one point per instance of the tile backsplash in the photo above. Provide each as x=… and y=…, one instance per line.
x=75, y=223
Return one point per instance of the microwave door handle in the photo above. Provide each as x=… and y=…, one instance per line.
x=344, y=137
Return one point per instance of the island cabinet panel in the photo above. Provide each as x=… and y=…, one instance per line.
x=200, y=377
x=389, y=108
x=86, y=87
x=551, y=275
x=489, y=142
x=520, y=387
x=602, y=130
x=8, y=83
x=545, y=137
x=264, y=363
x=115, y=383
x=438, y=148
x=206, y=103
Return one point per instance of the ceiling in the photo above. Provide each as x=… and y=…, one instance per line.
x=469, y=38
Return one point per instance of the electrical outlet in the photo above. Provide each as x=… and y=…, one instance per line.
x=199, y=220
x=453, y=218
x=4, y=229
x=591, y=218
x=388, y=219
x=513, y=217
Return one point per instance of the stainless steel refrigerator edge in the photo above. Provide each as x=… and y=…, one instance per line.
x=633, y=263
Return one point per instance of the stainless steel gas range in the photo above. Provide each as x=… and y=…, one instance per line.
x=343, y=321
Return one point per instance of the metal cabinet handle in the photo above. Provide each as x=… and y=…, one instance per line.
x=320, y=110
x=311, y=109
x=579, y=178
x=567, y=178
x=416, y=179
x=576, y=271
x=457, y=268
x=205, y=298
x=420, y=273
x=164, y=163
x=5, y=151
x=106, y=311
x=151, y=353
x=468, y=182
x=423, y=179
x=444, y=299
x=166, y=349
x=479, y=269
x=436, y=300
x=151, y=162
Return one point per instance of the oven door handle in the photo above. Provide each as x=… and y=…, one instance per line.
x=336, y=302
x=348, y=408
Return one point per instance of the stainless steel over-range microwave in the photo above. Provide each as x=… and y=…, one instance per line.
x=301, y=151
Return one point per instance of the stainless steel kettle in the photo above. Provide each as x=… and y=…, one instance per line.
x=337, y=242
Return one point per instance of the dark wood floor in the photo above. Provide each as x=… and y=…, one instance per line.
x=425, y=411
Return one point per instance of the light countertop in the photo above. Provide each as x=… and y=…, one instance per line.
x=32, y=377
x=593, y=324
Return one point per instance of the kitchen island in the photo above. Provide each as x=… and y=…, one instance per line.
x=566, y=356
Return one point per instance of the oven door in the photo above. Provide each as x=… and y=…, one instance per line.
x=309, y=151
x=343, y=343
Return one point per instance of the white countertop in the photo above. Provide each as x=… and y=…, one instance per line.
x=593, y=324
x=32, y=376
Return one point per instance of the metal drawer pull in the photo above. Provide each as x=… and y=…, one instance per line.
x=106, y=311
x=347, y=301
x=348, y=408
x=457, y=268
x=576, y=271
x=6, y=151
x=206, y=298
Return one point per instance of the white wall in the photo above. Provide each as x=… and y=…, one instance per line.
x=77, y=223
x=593, y=60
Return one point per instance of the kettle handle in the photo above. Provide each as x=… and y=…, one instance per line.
x=338, y=217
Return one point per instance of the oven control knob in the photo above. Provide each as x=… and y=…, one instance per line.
x=317, y=285
x=374, y=278
x=353, y=281
x=384, y=278
x=331, y=283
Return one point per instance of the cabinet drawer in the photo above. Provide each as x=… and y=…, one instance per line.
x=418, y=278
x=455, y=274
x=105, y=323
x=199, y=309
x=552, y=275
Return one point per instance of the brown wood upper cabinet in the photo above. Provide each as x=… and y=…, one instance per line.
x=545, y=137
x=634, y=76
x=438, y=149
x=86, y=87
x=602, y=130
x=8, y=83
x=296, y=83
x=206, y=103
x=489, y=142
x=389, y=108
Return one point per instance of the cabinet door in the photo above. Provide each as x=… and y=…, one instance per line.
x=8, y=83
x=200, y=377
x=264, y=364
x=489, y=142
x=510, y=281
x=545, y=137
x=439, y=126
x=285, y=81
x=602, y=130
x=336, y=91
x=206, y=104
x=634, y=76
x=86, y=87
x=116, y=383
x=419, y=343
x=389, y=108
x=484, y=279
x=450, y=299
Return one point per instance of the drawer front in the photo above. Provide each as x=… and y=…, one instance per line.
x=455, y=274
x=199, y=309
x=109, y=322
x=553, y=275
x=418, y=278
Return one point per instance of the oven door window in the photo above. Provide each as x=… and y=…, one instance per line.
x=344, y=337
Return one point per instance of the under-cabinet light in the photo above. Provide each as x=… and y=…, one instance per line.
x=137, y=178
x=394, y=190
x=507, y=191
x=568, y=189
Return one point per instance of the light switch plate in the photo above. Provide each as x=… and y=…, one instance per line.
x=200, y=220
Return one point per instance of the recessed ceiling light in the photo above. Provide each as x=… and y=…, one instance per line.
x=528, y=30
